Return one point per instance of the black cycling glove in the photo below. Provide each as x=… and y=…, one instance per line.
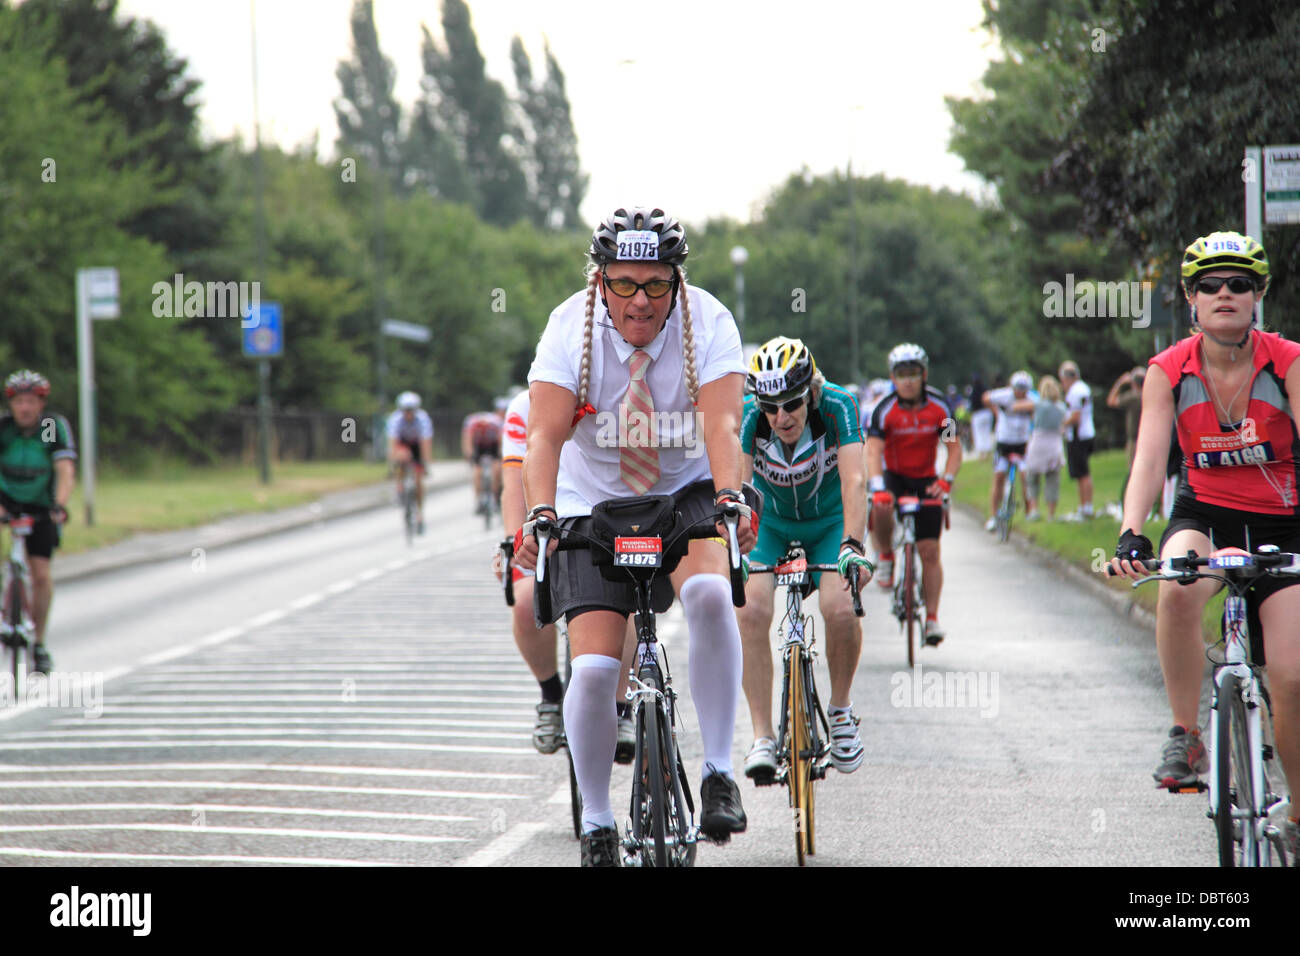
x=1134, y=547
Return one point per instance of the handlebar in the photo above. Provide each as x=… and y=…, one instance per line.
x=570, y=540
x=1231, y=562
x=855, y=584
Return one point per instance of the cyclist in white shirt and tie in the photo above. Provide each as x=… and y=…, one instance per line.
x=637, y=389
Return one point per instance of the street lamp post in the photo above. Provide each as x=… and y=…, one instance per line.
x=739, y=256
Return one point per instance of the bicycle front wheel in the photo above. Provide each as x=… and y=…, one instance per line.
x=1008, y=508
x=801, y=756
x=575, y=795
x=909, y=600
x=656, y=767
x=1234, y=816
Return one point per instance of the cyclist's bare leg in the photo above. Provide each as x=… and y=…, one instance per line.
x=931, y=573
x=755, y=620
x=1278, y=615
x=537, y=648
x=882, y=530
x=419, y=490
x=716, y=660
x=42, y=593
x=843, y=636
x=1178, y=631
x=995, y=496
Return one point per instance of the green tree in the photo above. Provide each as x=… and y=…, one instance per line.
x=552, y=165
x=369, y=117
x=463, y=104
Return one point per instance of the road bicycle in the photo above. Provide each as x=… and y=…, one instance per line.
x=909, y=598
x=410, y=509
x=803, y=735
x=507, y=548
x=1007, y=509
x=1241, y=798
x=17, y=629
x=486, y=503
x=661, y=829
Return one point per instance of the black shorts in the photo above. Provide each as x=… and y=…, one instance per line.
x=1076, y=457
x=45, y=534
x=577, y=585
x=929, y=520
x=414, y=446
x=492, y=450
x=1229, y=530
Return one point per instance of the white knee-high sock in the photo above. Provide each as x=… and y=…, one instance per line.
x=591, y=723
x=716, y=663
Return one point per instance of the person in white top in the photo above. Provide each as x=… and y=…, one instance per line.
x=639, y=345
x=1079, y=433
x=410, y=442
x=1014, y=407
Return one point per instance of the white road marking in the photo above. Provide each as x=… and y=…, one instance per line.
x=189, y=808
x=203, y=858
x=306, y=601
x=208, y=828
x=336, y=711
x=331, y=720
x=124, y=733
x=270, y=617
x=504, y=845
x=338, y=587
x=560, y=796
x=232, y=785
x=367, y=695
x=255, y=744
x=272, y=768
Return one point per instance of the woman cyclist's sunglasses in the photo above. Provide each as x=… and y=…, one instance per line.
x=626, y=288
x=792, y=405
x=1236, y=284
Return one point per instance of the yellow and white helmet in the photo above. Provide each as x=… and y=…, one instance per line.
x=781, y=366
x=1225, y=250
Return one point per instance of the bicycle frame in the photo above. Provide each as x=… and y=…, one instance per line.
x=17, y=627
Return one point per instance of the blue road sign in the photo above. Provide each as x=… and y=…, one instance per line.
x=264, y=331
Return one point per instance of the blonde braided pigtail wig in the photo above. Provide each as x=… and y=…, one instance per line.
x=584, y=368
x=688, y=338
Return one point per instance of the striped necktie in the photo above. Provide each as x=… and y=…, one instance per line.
x=638, y=464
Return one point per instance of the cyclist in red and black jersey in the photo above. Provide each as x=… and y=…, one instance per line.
x=1233, y=393
x=480, y=436
x=903, y=440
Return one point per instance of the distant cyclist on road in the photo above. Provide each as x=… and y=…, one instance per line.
x=903, y=441
x=410, y=442
x=480, y=437
x=800, y=442
x=1015, y=411
x=37, y=475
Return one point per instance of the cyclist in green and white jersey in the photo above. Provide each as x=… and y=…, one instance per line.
x=36, y=478
x=801, y=443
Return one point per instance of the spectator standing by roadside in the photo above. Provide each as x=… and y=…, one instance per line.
x=1045, y=453
x=1126, y=395
x=1079, y=433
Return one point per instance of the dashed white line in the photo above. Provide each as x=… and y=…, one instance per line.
x=190, y=808
x=183, y=858
x=268, y=768
x=504, y=845
x=269, y=787
x=208, y=828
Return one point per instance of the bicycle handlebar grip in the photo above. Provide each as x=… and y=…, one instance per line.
x=731, y=517
x=1151, y=564
x=507, y=575
x=855, y=588
x=542, y=585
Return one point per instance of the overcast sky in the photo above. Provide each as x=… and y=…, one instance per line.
x=700, y=106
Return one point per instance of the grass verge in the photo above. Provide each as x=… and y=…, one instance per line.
x=172, y=496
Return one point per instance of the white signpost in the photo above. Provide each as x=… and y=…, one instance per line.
x=97, y=298
x=1281, y=185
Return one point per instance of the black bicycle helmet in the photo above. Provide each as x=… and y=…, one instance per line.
x=671, y=247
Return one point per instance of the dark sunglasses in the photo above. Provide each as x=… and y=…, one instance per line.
x=793, y=405
x=1236, y=284
x=626, y=288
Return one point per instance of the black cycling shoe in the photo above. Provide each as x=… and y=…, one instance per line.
x=721, y=813
x=601, y=847
x=42, y=662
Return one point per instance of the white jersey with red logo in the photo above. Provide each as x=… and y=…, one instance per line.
x=514, y=437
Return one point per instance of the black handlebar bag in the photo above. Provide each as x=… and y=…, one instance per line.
x=644, y=516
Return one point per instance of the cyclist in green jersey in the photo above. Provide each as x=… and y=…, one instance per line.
x=801, y=444
x=36, y=478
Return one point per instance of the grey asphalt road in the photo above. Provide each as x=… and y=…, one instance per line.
x=329, y=695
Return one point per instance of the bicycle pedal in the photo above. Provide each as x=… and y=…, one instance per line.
x=1199, y=787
